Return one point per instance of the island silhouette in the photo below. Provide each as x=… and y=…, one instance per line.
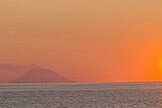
x=10, y=73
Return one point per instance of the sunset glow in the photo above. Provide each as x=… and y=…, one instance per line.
x=85, y=40
x=160, y=65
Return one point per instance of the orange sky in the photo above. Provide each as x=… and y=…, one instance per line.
x=85, y=40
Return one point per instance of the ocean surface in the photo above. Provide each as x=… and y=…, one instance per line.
x=81, y=95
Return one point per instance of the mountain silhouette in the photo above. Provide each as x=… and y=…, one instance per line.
x=40, y=75
x=9, y=72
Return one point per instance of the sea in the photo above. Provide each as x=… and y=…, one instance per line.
x=81, y=95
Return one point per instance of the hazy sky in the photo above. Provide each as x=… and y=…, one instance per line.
x=85, y=40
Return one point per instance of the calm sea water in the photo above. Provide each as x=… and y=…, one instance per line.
x=81, y=95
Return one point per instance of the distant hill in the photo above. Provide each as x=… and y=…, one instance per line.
x=10, y=73
x=40, y=75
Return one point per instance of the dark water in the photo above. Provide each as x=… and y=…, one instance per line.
x=81, y=95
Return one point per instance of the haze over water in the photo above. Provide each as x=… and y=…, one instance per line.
x=44, y=41
x=81, y=95
x=85, y=40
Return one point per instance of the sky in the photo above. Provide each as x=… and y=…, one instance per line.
x=85, y=40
